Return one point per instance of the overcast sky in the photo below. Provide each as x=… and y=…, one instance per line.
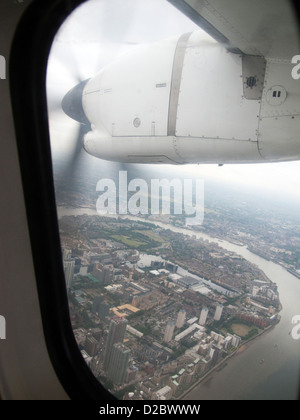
x=100, y=30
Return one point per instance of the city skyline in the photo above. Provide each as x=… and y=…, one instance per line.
x=162, y=306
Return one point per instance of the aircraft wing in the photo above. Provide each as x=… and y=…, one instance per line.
x=265, y=28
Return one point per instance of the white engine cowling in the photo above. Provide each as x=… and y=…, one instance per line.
x=188, y=100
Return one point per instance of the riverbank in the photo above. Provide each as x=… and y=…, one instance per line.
x=294, y=273
x=224, y=361
x=275, y=379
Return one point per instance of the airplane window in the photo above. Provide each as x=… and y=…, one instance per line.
x=176, y=167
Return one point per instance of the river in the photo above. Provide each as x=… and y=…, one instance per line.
x=244, y=377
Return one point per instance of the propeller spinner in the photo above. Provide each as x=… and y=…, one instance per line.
x=72, y=103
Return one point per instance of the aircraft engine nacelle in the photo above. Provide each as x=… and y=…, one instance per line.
x=188, y=100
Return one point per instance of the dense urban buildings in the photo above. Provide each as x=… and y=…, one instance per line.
x=118, y=363
x=147, y=326
x=69, y=267
x=169, y=307
x=218, y=313
x=203, y=316
x=169, y=331
x=181, y=318
x=117, y=328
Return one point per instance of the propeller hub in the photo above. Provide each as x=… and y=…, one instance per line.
x=72, y=103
